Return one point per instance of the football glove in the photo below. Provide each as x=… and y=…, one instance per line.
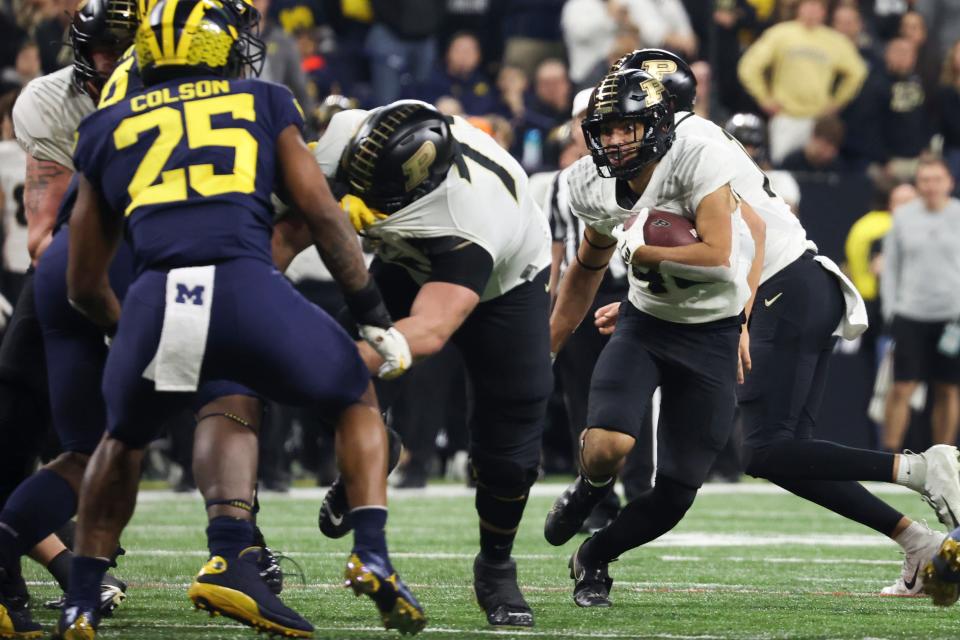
x=392, y=347
x=631, y=237
x=361, y=216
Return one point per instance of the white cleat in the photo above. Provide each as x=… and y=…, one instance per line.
x=941, y=488
x=910, y=582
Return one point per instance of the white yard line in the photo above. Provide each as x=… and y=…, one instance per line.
x=550, y=490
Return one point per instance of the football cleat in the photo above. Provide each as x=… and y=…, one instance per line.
x=910, y=582
x=235, y=589
x=941, y=488
x=112, y=594
x=602, y=515
x=77, y=623
x=592, y=582
x=941, y=574
x=334, y=518
x=571, y=510
x=269, y=565
x=371, y=575
x=16, y=621
x=495, y=585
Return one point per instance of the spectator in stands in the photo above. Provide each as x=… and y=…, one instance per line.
x=731, y=20
x=821, y=152
x=480, y=17
x=401, y=45
x=864, y=115
x=943, y=16
x=627, y=39
x=449, y=106
x=462, y=77
x=949, y=110
x=907, y=128
x=51, y=32
x=589, y=27
x=512, y=84
x=546, y=108
x=26, y=68
x=500, y=130
x=531, y=32
x=921, y=278
x=814, y=71
x=704, y=105
x=663, y=24
x=914, y=29
x=283, y=58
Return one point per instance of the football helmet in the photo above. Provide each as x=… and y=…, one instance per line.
x=751, y=131
x=400, y=153
x=669, y=68
x=629, y=96
x=99, y=25
x=189, y=37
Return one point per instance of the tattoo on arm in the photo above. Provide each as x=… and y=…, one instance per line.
x=340, y=251
x=40, y=177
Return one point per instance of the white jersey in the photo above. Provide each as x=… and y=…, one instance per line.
x=786, y=237
x=692, y=169
x=489, y=204
x=46, y=116
x=13, y=165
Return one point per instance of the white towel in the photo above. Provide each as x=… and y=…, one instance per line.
x=854, y=320
x=183, y=338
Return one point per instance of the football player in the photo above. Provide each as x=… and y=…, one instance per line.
x=206, y=301
x=679, y=330
x=462, y=255
x=803, y=304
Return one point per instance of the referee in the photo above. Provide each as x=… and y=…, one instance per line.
x=920, y=290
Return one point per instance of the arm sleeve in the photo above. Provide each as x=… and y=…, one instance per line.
x=889, y=280
x=754, y=63
x=457, y=261
x=852, y=70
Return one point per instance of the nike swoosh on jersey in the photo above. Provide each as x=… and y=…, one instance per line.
x=769, y=302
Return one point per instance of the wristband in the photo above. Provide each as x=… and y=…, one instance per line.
x=366, y=306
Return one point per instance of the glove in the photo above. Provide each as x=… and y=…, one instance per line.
x=629, y=235
x=392, y=347
x=361, y=216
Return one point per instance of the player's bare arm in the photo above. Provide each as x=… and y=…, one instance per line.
x=579, y=285
x=335, y=239
x=437, y=312
x=715, y=229
x=95, y=235
x=46, y=182
x=758, y=230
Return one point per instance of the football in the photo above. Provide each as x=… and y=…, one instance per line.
x=664, y=229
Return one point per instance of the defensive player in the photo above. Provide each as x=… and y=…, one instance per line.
x=462, y=255
x=802, y=305
x=207, y=305
x=680, y=328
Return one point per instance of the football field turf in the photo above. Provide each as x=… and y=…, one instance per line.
x=748, y=561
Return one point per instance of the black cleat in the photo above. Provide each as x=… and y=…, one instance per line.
x=570, y=510
x=592, y=583
x=371, y=575
x=235, y=589
x=15, y=619
x=269, y=563
x=495, y=585
x=334, y=518
x=602, y=515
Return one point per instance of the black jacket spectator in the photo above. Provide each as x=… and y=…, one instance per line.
x=906, y=125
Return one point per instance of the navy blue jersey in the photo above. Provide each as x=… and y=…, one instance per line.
x=191, y=164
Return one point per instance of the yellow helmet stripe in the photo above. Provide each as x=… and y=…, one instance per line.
x=150, y=37
x=167, y=29
x=189, y=29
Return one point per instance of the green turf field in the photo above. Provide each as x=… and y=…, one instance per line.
x=747, y=562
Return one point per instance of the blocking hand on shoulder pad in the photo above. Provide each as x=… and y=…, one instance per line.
x=361, y=216
x=392, y=346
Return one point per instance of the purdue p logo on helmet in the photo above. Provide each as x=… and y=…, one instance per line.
x=400, y=153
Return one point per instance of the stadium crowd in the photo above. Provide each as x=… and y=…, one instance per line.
x=821, y=93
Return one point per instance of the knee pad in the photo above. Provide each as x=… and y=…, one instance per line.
x=502, y=476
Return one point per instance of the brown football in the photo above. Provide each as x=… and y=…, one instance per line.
x=664, y=229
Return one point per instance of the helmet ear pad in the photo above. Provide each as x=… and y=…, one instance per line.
x=400, y=153
x=629, y=96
